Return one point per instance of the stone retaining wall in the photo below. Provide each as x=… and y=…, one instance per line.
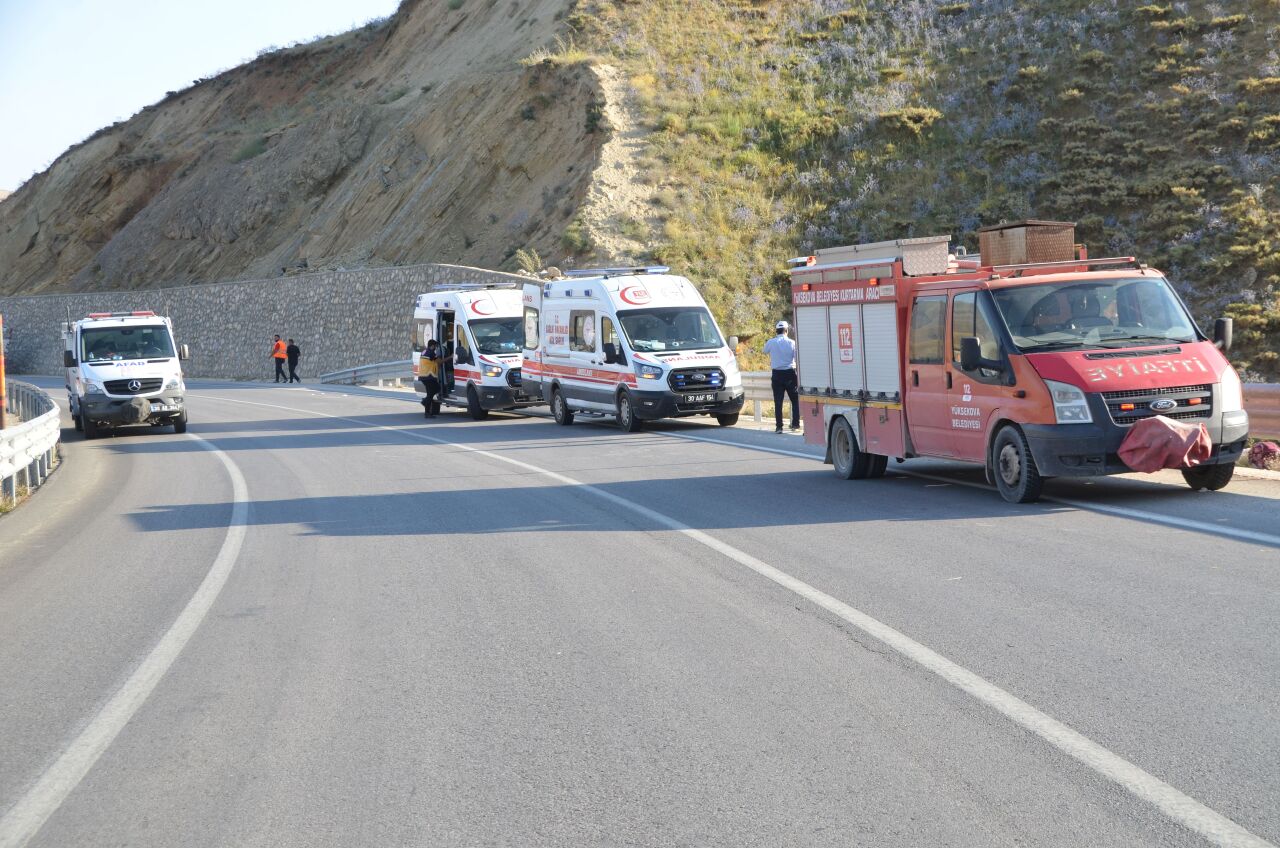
x=339, y=318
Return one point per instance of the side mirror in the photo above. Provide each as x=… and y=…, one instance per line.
x=68, y=359
x=1222, y=329
x=970, y=353
x=733, y=344
x=184, y=352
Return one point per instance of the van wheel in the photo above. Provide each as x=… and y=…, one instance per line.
x=559, y=409
x=77, y=423
x=474, y=409
x=1211, y=477
x=849, y=460
x=180, y=423
x=1017, y=476
x=727, y=420
x=89, y=429
x=627, y=419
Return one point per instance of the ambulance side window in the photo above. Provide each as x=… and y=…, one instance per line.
x=928, y=328
x=972, y=317
x=530, y=328
x=582, y=331
x=610, y=344
x=421, y=332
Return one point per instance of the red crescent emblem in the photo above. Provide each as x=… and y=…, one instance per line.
x=635, y=295
x=475, y=307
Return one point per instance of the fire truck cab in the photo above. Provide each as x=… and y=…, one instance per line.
x=1032, y=359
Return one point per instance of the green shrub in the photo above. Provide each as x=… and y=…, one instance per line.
x=250, y=149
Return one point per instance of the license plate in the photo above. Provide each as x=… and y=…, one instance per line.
x=699, y=398
x=160, y=407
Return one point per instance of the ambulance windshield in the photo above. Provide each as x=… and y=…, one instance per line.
x=106, y=344
x=672, y=328
x=498, y=335
x=1094, y=314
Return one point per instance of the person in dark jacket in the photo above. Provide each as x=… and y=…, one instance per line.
x=294, y=354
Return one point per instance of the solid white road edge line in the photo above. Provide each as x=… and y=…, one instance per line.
x=1176, y=805
x=28, y=815
x=1123, y=512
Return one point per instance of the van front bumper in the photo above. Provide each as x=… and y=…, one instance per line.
x=1092, y=450
x=653, y=405
x=120, y=412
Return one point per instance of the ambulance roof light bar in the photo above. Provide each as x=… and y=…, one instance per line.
x=503, y=284
x=137, y=313
x=616, y=272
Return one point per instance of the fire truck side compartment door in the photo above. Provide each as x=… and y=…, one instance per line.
x=846, y=349
x=813, y=350
x=880, y=348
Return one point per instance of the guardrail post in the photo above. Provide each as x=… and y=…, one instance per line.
x=758, y=410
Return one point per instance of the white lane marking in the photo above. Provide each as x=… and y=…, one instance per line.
x=1123, y=512
x=28, y=815
x=1176, y=805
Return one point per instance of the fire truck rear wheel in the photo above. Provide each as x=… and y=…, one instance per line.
x=1015, y=472
x=559, y=409
x=474, y=409
x=848, y=459
x=627, y=419
x=1211, y=477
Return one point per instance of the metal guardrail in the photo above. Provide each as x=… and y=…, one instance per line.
x=394, y=372
x=30, y=451
x=757, y=386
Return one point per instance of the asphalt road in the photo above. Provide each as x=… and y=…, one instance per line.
x=350, y=626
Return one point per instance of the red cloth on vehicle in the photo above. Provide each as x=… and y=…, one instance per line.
x=1160, y=442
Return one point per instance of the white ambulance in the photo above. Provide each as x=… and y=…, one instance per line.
x=633, y=343
x=481, y=325
x=123, y=368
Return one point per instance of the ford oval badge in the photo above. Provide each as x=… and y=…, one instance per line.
x=1163, y=405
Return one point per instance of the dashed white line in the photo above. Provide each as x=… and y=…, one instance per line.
x=1176, y=805
x=28, y=815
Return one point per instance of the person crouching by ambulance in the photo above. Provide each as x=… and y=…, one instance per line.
x=429, y=375
x=782, y=359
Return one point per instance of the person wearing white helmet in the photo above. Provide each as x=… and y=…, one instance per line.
x=782, y=359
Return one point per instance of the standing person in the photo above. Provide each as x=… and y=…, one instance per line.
x=278, y=355
x=782, y=359
x=293, y=353
x=429, y=375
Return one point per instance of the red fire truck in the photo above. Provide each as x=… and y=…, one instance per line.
x=1031, y=359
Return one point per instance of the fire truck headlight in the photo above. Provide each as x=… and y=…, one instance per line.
x=1231, y=395
x=493, y=370
x=648, y=372
x=1069, y=403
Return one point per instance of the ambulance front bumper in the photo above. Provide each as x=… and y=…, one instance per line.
x=653, y=405
x=502, y=397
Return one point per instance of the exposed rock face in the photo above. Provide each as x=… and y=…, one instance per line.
x=422, y=139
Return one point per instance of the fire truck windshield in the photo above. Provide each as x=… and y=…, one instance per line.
x=672, y=328
x=1094, y=314
x=498, y=335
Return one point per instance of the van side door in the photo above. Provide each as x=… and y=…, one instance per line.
x=927, y=400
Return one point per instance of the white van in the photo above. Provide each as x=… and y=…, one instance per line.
x=482, y=326
x=123, y=368
x=634, y=343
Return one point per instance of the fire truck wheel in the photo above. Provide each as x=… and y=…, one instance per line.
x=627, y=419
x=474, y=409
x=848, y=459
x=1017, y=476
x=1211, y=477
x=560, y=409
x=727, y=420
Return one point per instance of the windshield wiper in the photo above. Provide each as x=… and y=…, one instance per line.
x=1065, y=345
x=1128, y=340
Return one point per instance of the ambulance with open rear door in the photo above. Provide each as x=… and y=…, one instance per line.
x=1031, y=359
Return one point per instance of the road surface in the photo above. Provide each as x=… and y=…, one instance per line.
x=319, y=620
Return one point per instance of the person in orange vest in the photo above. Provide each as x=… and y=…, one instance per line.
x=279, y=354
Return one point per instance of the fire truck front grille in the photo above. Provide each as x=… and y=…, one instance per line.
x=513, y=378
x=696, y=380
x=143, y=386
x=1130, y=407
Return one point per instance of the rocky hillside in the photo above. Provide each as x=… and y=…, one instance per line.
x=421, y=138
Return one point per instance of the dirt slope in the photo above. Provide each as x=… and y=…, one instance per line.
x=419, y=139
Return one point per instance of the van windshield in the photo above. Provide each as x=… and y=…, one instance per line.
x=106, y=344
x=1094, y=314
x=672, y=328
x=498, y=335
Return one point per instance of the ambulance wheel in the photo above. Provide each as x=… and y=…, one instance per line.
x=180, y=423
x=90, y=429
x=474, y=409
x=559, y=409
x=727, y=420
x=627, y=419
x=1211, y=477
x=849, y=460
x=1015, y=471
